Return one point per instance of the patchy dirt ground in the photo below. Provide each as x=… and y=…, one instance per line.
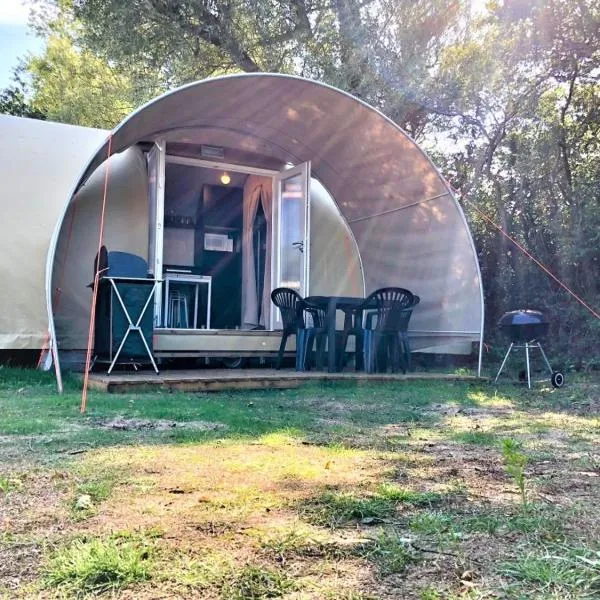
x=122, y=424
x=379, y=493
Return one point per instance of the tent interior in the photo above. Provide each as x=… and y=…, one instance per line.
x=203, y=220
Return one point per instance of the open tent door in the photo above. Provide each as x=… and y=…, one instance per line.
x=156, y=211
x=291, y=242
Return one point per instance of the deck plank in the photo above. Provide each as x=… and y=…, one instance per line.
x=204, y=380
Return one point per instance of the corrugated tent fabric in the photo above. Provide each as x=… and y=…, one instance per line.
x=125, y=229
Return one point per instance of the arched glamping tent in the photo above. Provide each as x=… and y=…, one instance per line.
x=246, y=182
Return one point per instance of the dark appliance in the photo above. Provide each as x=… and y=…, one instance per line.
x=221, y=212
x=125, y=293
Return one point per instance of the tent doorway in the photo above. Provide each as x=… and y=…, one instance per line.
x=222, y=237
x=202, y=247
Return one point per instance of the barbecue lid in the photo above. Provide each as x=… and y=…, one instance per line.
x=522, y=317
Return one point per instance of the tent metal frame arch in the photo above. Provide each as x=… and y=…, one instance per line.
x=85, y=173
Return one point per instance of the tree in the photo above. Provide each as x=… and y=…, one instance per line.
x=13, y=101
x=73, y=86
x=379, y=50
x=524, y=120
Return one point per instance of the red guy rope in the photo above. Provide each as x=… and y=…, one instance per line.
x=533, y=258
x=88, y=358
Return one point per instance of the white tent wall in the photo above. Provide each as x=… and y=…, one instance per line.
x=431, y=251
x=125, y=229
x=335, y=267
x=40, y=162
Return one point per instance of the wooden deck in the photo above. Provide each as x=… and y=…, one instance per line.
x=206, y=380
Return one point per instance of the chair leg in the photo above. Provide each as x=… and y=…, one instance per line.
x=380, y=353
x=367, y=343
x=284, y=338
x=406, y=348
x=342, y=350
x=394, y=343
x=358, y=351
x=308, y=338
x=320, y=358
x=301, y=340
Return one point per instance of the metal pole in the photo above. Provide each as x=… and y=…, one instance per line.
x=545, y=359
x=504, y=361
x=528, y=369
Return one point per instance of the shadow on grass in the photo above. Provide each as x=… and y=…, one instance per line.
x=343, y=413
x=32, y=409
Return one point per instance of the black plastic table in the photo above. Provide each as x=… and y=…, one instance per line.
x=347, y=304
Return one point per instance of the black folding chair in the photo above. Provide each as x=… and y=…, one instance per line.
x=388, y=338
x=315, y=330
x=290, y=304
x=293, y=310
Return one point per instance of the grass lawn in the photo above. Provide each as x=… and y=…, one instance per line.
x=410, y=490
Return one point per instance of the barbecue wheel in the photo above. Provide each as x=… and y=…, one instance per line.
x=557, y=379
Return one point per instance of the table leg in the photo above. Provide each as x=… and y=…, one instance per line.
x=358, y=342
x=197, y=287
x=331, y=314
x=166, y=319
x=208, y=304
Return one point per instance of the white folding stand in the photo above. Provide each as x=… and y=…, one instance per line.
x=528, y=346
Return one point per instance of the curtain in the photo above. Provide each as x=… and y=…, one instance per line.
x=267, y=204
x=252, y=194
x=256, y=190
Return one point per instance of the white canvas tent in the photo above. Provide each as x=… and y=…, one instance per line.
x=381, y=214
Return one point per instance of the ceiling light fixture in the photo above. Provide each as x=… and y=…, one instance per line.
x=225, y=179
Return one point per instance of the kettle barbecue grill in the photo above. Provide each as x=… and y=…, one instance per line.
x=524, y=328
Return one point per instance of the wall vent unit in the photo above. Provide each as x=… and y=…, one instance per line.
x=212, y=152
x=218, y=242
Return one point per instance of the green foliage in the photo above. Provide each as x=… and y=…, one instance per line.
x=556, y=571
x=334, y=509
x=9, y=484
x=298, y=543
x=398, y=495
x=96, y=565
x=13, y=101
x=254, y=582
x=391, y=553
x=479, y=438
x=433, y=523
x=92, y=489
x=515, y=462
x=429, y=593
x=72, y=85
